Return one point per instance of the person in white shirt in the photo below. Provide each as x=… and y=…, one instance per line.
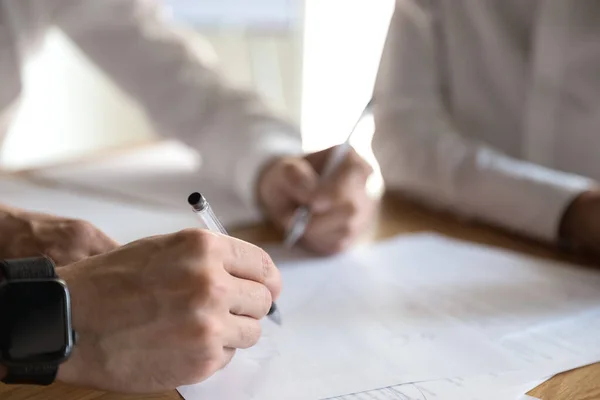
x=241, y=143
x=491, y=109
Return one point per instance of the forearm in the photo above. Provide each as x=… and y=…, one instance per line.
x=422, y=155
x=180, y=89
x=421, y=151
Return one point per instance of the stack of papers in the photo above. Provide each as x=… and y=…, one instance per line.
x=418, y=317
x=415, y=317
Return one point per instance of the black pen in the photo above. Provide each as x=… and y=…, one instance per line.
x=204, y=211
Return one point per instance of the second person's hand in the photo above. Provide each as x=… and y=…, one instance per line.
x=65, y=240
x=580, y=224
x=166, y=311
x=341, y=207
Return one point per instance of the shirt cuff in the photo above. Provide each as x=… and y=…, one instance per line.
x=527, y=198
x=264, y=150
x=553, y=201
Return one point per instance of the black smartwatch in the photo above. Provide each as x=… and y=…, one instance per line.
x=36, y=333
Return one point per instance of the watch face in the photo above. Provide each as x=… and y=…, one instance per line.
x=36, y=325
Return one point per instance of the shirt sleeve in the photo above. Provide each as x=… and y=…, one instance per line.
x=422, y=154
x=179, y=89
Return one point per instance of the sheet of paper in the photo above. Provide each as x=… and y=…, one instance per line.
x=123, y=222
x=510, y=386
x=161, y=174
x=413, y=309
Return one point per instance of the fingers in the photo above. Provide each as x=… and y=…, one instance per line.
x=73, y=240
x=333, y=232
x=249, y=262
x=299, y=180
x=336, y=230
x=249, y=299
x=242, y=332
x=348, y=181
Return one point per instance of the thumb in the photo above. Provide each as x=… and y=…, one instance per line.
x=300, y=180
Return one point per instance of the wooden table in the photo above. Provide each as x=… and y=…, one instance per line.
x=395, y=217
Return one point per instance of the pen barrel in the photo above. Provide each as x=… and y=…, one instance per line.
x=210, y=220
x=338, y=154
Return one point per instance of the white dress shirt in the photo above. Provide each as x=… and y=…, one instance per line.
x=491, y=108
x=185, y=99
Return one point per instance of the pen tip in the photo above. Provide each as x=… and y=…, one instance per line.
x=274, y=314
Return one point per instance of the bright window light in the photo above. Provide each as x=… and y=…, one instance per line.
x=343, y=40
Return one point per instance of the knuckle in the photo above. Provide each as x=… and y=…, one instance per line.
x=199, y=240
x=78, y=229
x=241, y=250
x=267, y=265
x=292, y=171
x=218, y=290
x=209, y=330
x=204, y=288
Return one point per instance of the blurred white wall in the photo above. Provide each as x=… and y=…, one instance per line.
x=343, y=40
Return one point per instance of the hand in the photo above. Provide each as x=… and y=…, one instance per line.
x=29, y=234
x=341, y=207
x=580, y=225
x=166, y=311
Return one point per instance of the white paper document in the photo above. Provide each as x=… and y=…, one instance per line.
x=418, y=308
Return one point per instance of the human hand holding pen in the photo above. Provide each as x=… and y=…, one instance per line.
x=340, y=206
x=166, y=311
x=205, y=213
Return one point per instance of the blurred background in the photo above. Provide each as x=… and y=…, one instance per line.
x=313, y=60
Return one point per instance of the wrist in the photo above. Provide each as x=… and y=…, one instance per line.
x=72, y=370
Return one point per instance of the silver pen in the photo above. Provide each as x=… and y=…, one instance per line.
x=204, y=211
x=302, y=215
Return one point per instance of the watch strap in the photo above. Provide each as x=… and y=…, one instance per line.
x=28, y=268
x=31, y=375
x=24, y=269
